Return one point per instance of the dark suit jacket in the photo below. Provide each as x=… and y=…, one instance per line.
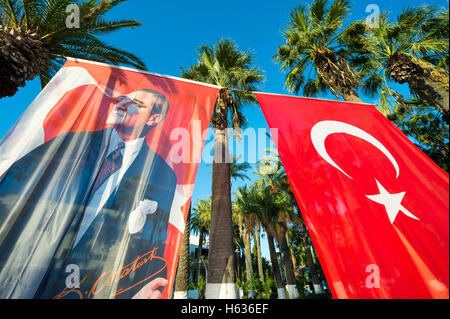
x=42, y=201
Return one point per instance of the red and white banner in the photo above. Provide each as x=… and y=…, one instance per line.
x=376, y=207
x=96, y=179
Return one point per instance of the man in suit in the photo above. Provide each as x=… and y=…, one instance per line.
x=97, y=201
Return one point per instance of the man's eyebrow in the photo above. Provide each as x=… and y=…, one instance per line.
x=139, y=101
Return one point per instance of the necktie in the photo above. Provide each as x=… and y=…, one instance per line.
x=112, y=163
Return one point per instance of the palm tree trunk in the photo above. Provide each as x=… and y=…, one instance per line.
x=313, y=271
x=294, y=260
x=430, y=83
x=199, y=255
x=248, y=253
x=276, y=269
x=309, y=258
x=352, y=97
x=432, y=92
x=337, y=74
x=23, y=56
x=240, y=265
x=221, y=260
x=258, y=251
x=182, y=282
x=287, y=262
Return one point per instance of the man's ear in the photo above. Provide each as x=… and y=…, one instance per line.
x=154, y=119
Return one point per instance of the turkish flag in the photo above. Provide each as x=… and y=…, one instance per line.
x=376, y=207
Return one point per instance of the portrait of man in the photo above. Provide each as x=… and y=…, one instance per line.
x=96, y=203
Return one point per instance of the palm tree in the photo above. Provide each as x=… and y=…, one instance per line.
x=238, y=240
x=35, y=38
x=182, y=281
x=313, y=54
x=283, y=217
x=276, y=180
x=246, y=211
x=271, y=211
x=306, y=243
x=292, y=254
x=238, y=170
x=258, y=251
x=224, y=65
x=426, y=128
x=200, y=223
x=402, y=52
x=281, y=290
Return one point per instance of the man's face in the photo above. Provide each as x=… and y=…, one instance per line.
x=132, y=113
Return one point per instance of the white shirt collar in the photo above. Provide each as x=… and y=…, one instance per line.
x=131, y=147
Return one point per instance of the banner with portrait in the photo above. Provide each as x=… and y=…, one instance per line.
x=96, y=179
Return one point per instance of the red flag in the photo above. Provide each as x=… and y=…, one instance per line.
x=376, y=207
x=97, y=177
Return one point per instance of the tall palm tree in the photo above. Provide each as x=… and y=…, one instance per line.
x=306, y=243
x=200, y=223
x=281, y=290
x=313, y=54
x=258, y=251
x=276, y=180
x=246, y=210
x=238, y=240
x=402, y=51
x=283, y=217
x=224, y=65
x=182, y=281
x=272, y=209
x=34, y=38
x=293, y=257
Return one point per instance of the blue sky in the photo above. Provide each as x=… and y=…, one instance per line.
x=173, y=30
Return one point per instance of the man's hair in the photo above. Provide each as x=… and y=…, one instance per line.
x=161, y=105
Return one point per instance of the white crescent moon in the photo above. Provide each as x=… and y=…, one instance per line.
x=322, y=130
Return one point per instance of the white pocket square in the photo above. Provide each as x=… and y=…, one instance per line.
x=136, y=220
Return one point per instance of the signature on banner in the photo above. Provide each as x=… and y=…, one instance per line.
x=110, y=278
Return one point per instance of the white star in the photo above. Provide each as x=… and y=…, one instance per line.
x=182, y=194
x=392, y=203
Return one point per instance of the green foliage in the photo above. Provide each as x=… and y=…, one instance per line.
x=47, y=18
x=266, y=290
x=296, y=240
x=426, y=128
x=300, y=283
x=201, y=216
x=418, y=32
x=238, y=169
x=313, y=50
x=316, y=296
x=223, y=64
x=201, y=286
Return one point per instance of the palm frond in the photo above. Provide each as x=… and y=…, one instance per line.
x=12, y=10
x=223, y=64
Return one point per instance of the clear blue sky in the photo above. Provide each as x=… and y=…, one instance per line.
x=173, y=30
